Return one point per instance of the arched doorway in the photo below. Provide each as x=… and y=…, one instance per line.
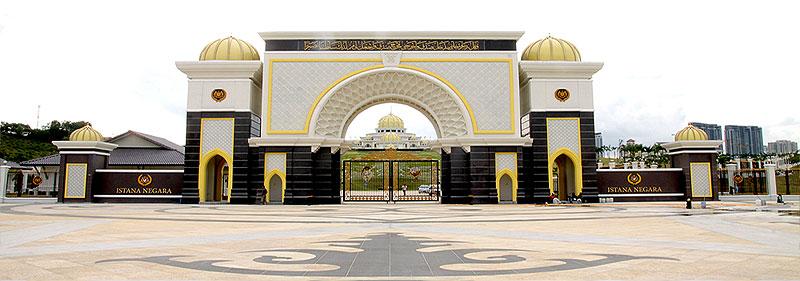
x=216, y=186
x=275, y=188
x=506, y=189
x=564, y=181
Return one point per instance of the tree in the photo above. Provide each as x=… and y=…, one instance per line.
x=20, y=142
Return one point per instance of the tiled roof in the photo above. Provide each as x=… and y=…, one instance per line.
x=125, y=157
x=12, y=164
x=144, y=157
x=162, y=142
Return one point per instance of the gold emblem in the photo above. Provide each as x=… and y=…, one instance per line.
x=37, y=180
x=218, y=95
x=634, y=178
x=562, y=95
x=144, y=180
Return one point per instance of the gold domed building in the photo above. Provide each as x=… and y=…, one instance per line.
x=691, y=133
x=391, y=133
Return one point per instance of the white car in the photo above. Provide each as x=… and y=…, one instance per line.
x=425, y=189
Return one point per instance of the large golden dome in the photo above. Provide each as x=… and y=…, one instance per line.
x=390, y=121
x=691, y=133
x=230, y=48
x=551, y=49
x=390, y=137
x=86, y=133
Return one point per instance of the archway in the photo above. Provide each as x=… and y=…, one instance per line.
x=216, y=186
x=275, y=188
x=506, y=189
x=446, y=109
x=565, y=180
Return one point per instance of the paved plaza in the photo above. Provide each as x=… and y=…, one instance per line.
x=727, y=241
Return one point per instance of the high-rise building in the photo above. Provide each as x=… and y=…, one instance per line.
x=743, y=140
x=782, y=146
x=714, y=131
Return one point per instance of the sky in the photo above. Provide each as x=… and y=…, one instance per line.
x=666, y=62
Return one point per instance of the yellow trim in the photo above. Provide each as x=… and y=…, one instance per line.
x=66, y=180
x=281, y=174
x=710, y=183
x=319, y=97
x=201, y=173
x=512, y=174
x=573, y=155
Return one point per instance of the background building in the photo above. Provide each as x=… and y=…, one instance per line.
x=390, y=133
x=743, y=140
x=714, y=131
x=782, y=146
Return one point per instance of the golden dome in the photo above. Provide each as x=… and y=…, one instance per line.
x=691, y=133
x=390, y=137
x=230, y=48
x=86, y=133
x=551, y=49
x=391, y=121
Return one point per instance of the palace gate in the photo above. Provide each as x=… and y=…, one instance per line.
x=390, y=180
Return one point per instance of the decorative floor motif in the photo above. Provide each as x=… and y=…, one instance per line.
x=386, y=254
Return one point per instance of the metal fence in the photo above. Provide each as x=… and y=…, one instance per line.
x=754, y=181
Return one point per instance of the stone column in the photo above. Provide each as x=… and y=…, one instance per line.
x=3, y=180
x=731, y=173
x=772, y=187
x=24, y=182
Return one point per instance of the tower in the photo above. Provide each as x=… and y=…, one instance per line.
x=556, y=94
x=84, y=153
x=693, y=152
x=223, y=112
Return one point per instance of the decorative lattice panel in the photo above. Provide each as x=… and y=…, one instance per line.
x=76, y=181
x=563, y=133
x=504, y=161
x=406, y=88
x=701, y=179
x=217, y=134
x=276, y=161
x=295, y=85
x=485, y=85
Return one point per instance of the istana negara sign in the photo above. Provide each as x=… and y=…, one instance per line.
x=641, y=184
x=138, y=185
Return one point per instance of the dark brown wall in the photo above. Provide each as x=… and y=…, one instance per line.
x=665, y=181
x=683, y=160
x=119, y=183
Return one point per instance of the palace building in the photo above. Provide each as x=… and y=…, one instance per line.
x=269, y=127
x=390, y=133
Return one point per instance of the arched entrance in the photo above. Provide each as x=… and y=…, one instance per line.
x=275, y=188
x=506, y=189
x=566, y=179
x=442, y=105
x=216, y=185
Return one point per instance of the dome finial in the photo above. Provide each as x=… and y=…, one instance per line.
x=229, y=48
x=551, y=49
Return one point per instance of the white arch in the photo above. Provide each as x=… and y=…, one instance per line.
x=442, y=106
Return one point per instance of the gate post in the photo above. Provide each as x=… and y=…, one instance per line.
x=772, y=188
x=731, y=173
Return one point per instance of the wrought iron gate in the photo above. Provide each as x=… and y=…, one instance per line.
x=390, y=180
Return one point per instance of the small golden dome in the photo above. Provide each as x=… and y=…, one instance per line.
x=691, y=133
x=391, y=121
x=230, y=48
x=86, y=133
x=551, y=49
x=390, y=137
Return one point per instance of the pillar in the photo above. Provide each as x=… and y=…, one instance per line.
x=772, y=187
x=731, y=168
x=3, y=180
x=24, y=182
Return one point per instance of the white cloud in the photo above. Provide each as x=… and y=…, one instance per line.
x=666, y=63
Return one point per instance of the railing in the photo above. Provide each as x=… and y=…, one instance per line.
x=754, y=181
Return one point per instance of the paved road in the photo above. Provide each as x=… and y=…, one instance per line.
x=397, y=242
